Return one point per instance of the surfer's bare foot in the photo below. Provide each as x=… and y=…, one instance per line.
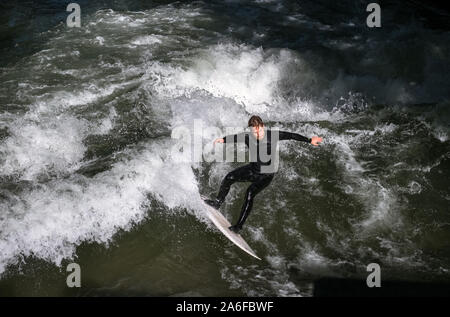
x=213, y=203
x=235, y=228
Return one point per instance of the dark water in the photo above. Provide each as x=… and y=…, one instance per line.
x=89, y=174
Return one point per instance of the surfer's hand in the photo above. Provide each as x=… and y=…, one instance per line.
x=218, y=141
x=315, y=140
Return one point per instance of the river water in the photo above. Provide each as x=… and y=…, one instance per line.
x=89, y=174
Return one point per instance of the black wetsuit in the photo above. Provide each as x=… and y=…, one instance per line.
x=258, y=172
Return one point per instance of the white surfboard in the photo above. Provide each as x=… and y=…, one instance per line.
x=222, y=223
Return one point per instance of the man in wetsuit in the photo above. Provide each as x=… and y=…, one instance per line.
x=260, y=171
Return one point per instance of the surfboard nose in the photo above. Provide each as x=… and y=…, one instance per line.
x=223, y=225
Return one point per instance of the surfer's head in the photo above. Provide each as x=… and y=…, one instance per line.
x=257, y=126
x=255, y=121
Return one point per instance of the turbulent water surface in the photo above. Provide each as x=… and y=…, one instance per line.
x=89, y=172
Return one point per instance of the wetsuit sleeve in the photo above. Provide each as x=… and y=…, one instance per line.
x=235, y=138
x=284, y=135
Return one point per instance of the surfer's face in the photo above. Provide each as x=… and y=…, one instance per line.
x=258, y=132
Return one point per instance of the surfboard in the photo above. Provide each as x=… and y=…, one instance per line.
x=222, y=224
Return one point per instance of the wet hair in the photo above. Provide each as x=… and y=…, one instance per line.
x=255, y=121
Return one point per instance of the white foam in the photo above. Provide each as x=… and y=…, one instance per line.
x=379, y=201
x=52, y=219
x=146, y=40
x=38, y=143
x=238, y=72
x=99, y=40
x=33, y=148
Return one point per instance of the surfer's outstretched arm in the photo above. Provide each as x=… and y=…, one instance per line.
x=284, y=135
x=233, y=138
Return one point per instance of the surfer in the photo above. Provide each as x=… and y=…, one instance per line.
x=260, y=171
